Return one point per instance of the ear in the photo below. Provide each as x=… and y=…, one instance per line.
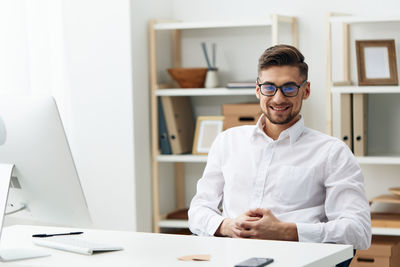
x=306, y=91
x=258, y=94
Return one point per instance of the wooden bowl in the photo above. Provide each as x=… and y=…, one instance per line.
x=395, y=190
x=189, y=77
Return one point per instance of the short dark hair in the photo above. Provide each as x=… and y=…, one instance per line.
x=283, y=55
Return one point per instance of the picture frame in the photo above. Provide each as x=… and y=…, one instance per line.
x=207, y=129
x=376, y=62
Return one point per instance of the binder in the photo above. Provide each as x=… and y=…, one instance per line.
x=346, y=127
x=163, y=138
x=360, y=127
x=180, y=124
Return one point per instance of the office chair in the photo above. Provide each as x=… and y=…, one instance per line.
x=347, y=262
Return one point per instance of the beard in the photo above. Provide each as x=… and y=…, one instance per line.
x=282, y=120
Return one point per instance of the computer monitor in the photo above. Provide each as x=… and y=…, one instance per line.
x=45, y=187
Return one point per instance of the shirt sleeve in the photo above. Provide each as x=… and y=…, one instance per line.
x=204, y=215
x=346, y=206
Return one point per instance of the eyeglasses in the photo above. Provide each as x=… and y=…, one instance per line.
x=289, y=89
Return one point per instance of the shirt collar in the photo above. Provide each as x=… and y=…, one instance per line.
x=293, y=132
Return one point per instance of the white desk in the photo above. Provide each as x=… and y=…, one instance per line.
x=146, y=249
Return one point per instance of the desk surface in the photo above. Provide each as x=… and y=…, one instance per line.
x=148, y=249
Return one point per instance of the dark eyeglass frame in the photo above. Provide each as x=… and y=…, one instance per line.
x=280, y=87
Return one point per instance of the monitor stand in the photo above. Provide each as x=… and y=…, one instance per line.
x=12, y=208
x=17, y=253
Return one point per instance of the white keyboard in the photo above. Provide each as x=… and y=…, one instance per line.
x=73, y=244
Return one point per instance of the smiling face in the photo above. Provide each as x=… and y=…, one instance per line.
x=279, y=109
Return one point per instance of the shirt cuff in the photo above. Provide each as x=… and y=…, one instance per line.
x=308, y=232
x=214, y=223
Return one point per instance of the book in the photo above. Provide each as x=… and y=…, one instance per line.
x=360, y=127
x=346, y=127
x=163, y=137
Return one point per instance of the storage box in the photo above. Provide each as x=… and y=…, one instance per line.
x=384, y=252
x=241, y=114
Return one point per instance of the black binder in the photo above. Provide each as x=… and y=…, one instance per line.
x=163, y=138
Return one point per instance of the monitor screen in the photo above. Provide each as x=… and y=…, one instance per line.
x=45, y=187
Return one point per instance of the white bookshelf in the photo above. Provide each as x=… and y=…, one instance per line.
x=192, y=25
x=173, y=224
x=379, y=160
x=185, y=225
x=382, y=107
x=365, y=19
x=366, y=89
x=211, y=24
x=203, y=100
x=385, y=231
x=182, y=158
x=205, y=92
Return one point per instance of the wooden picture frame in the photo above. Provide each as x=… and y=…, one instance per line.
x=376, y=62
x=207, y=129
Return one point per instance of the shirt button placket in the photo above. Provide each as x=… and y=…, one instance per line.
x=265, y=162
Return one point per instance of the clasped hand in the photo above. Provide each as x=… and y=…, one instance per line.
x=259, y=224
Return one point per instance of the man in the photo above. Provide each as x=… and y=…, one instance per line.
x=278, y=179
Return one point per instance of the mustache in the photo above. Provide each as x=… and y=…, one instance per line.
x=280, y=104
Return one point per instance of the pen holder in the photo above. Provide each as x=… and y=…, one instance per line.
x=211, y=78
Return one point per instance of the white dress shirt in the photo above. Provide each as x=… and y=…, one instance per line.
x=305, y=177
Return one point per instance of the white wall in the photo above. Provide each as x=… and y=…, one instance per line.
x=14, y=73
x=80, y=52
x=99, y=73
x=92, y=56
x=141, y=13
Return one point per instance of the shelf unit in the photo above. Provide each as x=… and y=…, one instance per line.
x=173, y=223
x=164, y=223
x=385, y=231
x=175, y=28
x=203, y=92
x=379, y=160
x=345, y=22
x=182, y=158
x=363, y=19
x=365, y=90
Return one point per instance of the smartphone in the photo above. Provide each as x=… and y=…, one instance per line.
x=255, y=262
